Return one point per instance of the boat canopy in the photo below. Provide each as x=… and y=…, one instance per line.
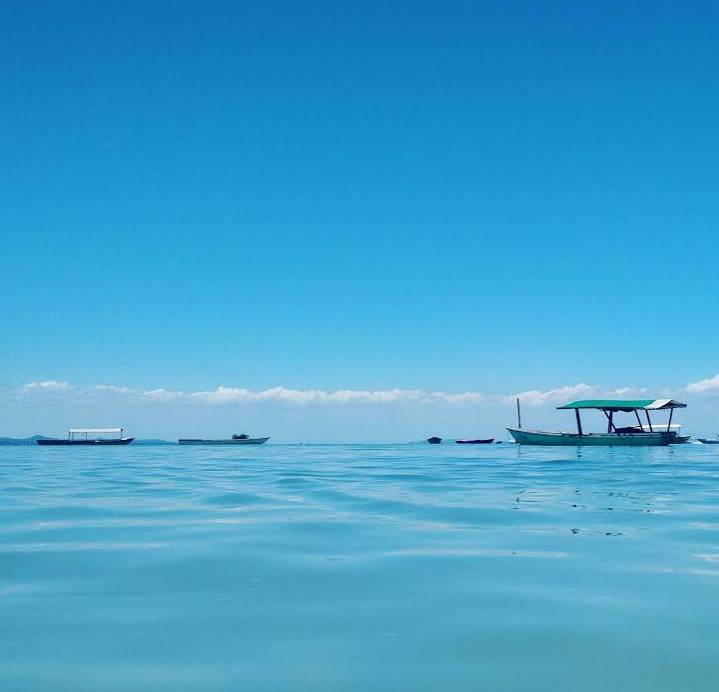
x=95, y=430
x=625, y=404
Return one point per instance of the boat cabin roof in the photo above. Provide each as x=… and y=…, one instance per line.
x=95, y=430
x=625, y=404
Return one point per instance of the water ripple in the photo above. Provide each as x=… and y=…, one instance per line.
x=378, y=567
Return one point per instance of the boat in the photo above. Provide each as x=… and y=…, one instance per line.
x=80, y=436
x=651, y=434
x=434, y=440
x=708, y=440
x=234, y=440
x=475, y=442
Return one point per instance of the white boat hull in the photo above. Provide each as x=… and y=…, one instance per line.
x=246, y=441
x=566, y=439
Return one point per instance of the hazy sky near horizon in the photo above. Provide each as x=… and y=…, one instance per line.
x=487, y=197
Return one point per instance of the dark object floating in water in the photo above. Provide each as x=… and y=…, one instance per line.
x=434, y=440
x=707, y=441
x=475, y=442
x=72, y=438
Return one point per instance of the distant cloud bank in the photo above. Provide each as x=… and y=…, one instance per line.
x=46, y=385
x=223, y=395
x=711, y=384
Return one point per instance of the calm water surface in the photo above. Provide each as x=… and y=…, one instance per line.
x=399, y=567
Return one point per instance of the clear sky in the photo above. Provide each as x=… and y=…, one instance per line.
x=489, y=197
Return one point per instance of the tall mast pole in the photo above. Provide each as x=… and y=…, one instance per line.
x=519, y=415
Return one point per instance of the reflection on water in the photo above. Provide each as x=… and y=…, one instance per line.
x=371, y=567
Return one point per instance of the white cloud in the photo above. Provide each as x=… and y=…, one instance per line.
x=573, y=392
x=46, y=386
x=160, y=394
x=111, y=388
x=223, y=395
x=229, y=395
x=711, y=384
x=460, y=398
x=535, y=397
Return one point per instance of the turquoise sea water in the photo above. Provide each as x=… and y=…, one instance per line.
x=399, y=567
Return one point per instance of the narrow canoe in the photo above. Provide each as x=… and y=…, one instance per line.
x=243, y=441
x=707, y=441
x=475, y=442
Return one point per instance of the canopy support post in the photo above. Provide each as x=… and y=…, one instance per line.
x=610, y=420
x=639, y=420
x=649, y=420
x=579, y=422
x=669, y=424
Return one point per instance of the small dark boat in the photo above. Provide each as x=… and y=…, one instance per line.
x=707, y=441
x=72, y=440
x=475, y=442
x=434, y=440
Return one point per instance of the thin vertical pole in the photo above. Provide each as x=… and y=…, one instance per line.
x=519, y=415
x=649, y=420
x=579, y=422
x=609, y=424
x=639, y=420
x=669, y=424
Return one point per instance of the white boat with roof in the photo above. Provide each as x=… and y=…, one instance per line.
x=81, y=436
x=639, y=434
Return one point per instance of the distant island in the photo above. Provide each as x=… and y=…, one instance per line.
x=20, y=441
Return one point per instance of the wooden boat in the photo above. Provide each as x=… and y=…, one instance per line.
x=434, y=440
x=234, y=440
x=475, y=442
x=708, y=441
x=83, y=439
x=632, y=436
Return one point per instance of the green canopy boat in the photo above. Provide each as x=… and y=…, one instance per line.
x=639, y=434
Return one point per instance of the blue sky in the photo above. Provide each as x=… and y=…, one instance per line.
x=446, y=197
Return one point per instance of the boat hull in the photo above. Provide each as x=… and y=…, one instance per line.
x=475, y=442
x=564, y=439
x=247, y=441
x=706, y=441
x=84, y=443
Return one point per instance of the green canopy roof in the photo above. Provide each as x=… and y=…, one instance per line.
x=625, y=404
